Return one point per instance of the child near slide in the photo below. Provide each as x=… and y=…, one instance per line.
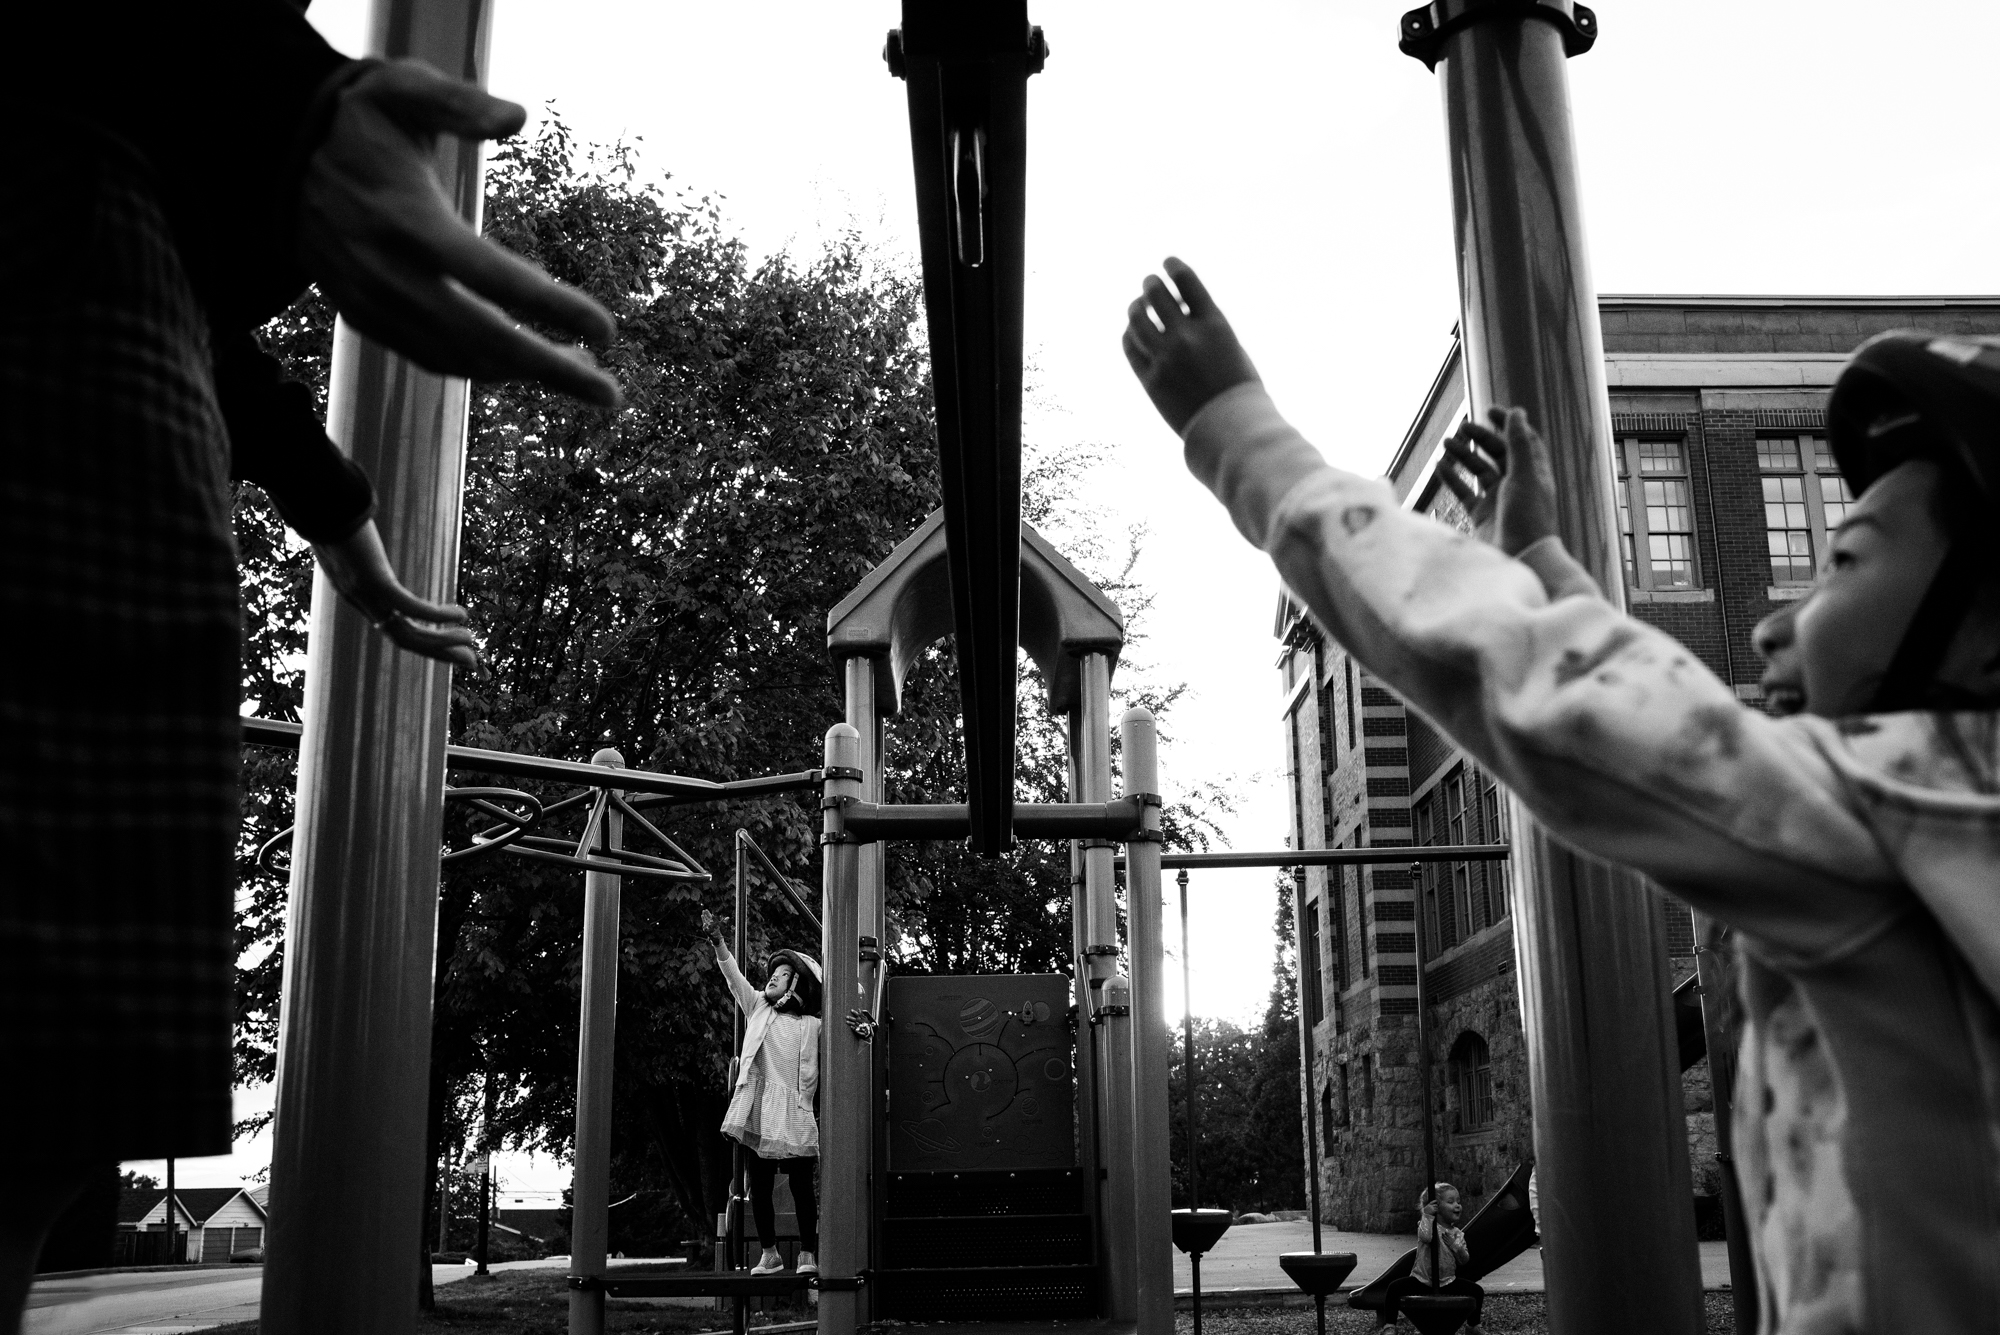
x=1438, y=1214
x=771, y=1109
x=1854, y=843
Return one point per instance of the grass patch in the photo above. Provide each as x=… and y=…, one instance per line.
x=536, y=1302
x=1506, y=1314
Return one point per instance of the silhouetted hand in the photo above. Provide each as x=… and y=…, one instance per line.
x=1502, y=475
x=359, y=569
x=1183, y=351
x=862, y=1023
x=379, y=234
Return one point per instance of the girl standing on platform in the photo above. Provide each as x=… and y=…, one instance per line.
x=777, y=1074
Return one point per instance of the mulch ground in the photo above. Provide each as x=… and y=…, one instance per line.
x=1506, y=1314
x=536, y=1302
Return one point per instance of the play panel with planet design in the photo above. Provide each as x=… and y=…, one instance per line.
x=980, y=1073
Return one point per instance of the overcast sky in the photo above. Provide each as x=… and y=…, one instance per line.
x=1296, y=158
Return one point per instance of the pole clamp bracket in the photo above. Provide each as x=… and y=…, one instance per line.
x=586, y=1283
x=1146, y=837
x=1088, y=844
x=871, y=950
x=1423, y=30
x=1101, y=950
x=841, y=1283
x=835, y=772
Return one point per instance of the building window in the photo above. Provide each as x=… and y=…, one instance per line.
x=1326, y=1116
x=1493, y=829
x=1455, y=833
x=1360, y=919
x=1309, y=964
x=1805, y=499
x=1656, y=514
x=1437, y=927
x=1471, y=1075
x=1345, y=1112
x=1350, y=702
x=1298, y=783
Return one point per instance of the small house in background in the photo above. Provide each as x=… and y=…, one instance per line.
x=219, y=1221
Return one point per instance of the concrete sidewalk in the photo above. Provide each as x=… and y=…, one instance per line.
x=1245, y=1262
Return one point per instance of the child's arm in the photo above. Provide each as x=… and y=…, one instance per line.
x=1613, y=733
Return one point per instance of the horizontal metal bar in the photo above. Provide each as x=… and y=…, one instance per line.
x=872, y=821
x=658, y=787
x=1338, y=857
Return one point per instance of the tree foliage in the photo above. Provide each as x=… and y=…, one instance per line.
x=657, y=578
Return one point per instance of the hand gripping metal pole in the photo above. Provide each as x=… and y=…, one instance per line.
x=354, y=1050
x=1152, y=1204
x=845, y=1124
x=1610, y=1135
x=590, y=1189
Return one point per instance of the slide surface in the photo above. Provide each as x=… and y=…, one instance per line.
x=1501, y=1231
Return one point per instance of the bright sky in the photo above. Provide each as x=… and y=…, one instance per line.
x=1289, y=152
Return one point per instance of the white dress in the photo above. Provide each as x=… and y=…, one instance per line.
x=771, y=1110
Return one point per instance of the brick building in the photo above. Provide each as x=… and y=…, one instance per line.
x=1726, y=493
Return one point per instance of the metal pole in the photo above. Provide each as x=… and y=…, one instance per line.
x=1187, y=1048
x=864, y=715
x=354, y=1055
x=1152, y=1202
x=590, y=1180
x=738, y=1165
x=1715, y=965
x=1306, y=1050
x=1610, y=1135
x=845, y=1121
x=1090, y=741
x=485, y=1209
x=1424, y=1060
x=173, y=1217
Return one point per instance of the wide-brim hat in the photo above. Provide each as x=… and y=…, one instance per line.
x=806, y=978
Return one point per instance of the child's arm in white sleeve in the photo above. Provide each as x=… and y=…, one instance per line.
x=1612, y=732
x=747, y=996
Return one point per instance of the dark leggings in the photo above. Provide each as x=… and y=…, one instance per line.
x=1410, y=1284
x=764, y=1176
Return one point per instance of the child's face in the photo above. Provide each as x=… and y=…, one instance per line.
x=779, y=983
x=1449, y=1207
x=1828, y=653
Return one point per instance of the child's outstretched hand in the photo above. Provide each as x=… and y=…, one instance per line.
x=1502, y=475
x=861, y=1023
x=1183, y=351
x=711, y=928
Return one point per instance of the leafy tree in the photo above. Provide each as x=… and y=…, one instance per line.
x=657, y=578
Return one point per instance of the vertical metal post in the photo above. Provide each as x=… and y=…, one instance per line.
x=173, y=1218
x=845, y=1121
x=864, y=715
x=1306, y=1050
x=485, y=1209
x=738, y=1167
x=354, y=1054
x=1714, y=963
x=1090, y=742
x=1424, y=1063
x=1190, y=1077
x=1610, y=1135
x=590, y=1189
x=1152, y=1202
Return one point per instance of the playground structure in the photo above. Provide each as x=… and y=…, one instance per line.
x=348, y=1157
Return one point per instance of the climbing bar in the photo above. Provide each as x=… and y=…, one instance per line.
x=866, y=822
x=791, y=888
x=658, y=788
x=1338, y=857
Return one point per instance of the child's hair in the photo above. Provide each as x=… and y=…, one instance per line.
x=1438, y=1189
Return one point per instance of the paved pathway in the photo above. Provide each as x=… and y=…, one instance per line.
x=1247, y=1259
x=157, y=1302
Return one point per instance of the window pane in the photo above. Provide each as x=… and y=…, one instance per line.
x=1670, y=533
x=1788, y=530
x=1822, y=452
x=1834, y=497
x=1625, y=530
x=1778, y=454
x=1660, y=456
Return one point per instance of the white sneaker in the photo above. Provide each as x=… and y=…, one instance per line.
x=808, y=1264
x=770, y=1264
